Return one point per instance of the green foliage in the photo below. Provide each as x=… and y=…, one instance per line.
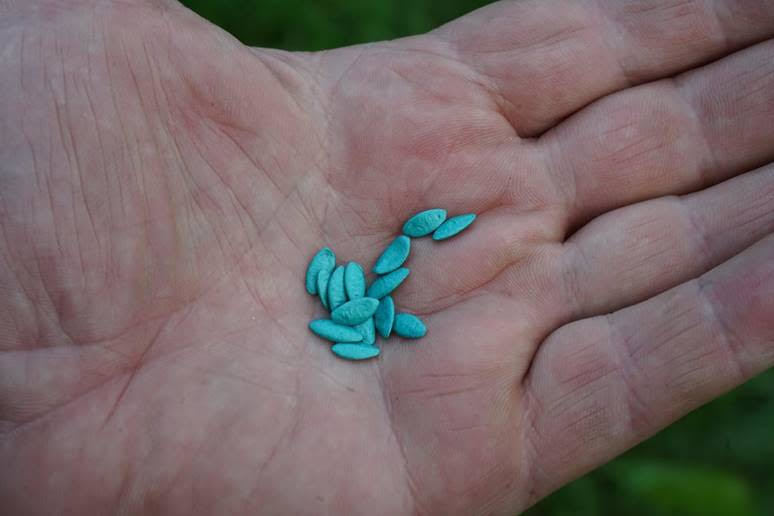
x=304, y=25
x=682, y=489
x=716, y=461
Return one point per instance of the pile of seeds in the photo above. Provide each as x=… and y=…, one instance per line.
x=357, y=312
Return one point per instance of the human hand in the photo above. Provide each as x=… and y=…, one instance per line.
x=162, y=188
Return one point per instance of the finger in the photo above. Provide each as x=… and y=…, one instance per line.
x=599, y=386
x=547, y=59
x=633, y=253
x=667, y=137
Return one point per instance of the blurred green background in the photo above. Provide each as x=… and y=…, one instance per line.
x=716, y=461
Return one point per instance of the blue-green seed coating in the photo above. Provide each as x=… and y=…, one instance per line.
x=394, y=256
x=333, y=332
x=409, y=326
x=424, y=223
x=355, y=312
x=323, y=277
x=354, y=280
x=453, y=226
x=355, y=351
x=336, y=294
x=324, y=259
x=384, y=317
x=368, y=332
x=387, y=283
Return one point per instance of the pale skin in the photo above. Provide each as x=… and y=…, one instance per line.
x=162, y=188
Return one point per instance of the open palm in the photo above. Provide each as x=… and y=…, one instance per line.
x=162, y=189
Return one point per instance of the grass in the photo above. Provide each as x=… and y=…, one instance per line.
x=716, y=461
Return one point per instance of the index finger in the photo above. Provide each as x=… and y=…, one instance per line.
x=544, y=60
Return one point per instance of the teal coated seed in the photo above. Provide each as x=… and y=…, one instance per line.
x=424, y=223
x=387, y=283
x=384, y=317
x=354, y=280
x=394, y=256
x=355, y=351
x=324, y=259
x=333, y=332
x=336, y=294
x=409, y=326
x=368, y=332
x=355, y=312
x=453, y=226
x=323, y=277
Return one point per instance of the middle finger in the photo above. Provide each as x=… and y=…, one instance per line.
x=667, y=137
x=636, y=252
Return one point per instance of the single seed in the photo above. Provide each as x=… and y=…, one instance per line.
x=333, y=332
x=394, y=256
x=323, y=277
x=424, y=223
x=368, y=332
x=409, y=326
x=355, y=312
x=324, y=259
x=387, y=283
x=453, y=226
x=354, y=280
x=336, y=294
x=384, y=317
x=355, y=351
